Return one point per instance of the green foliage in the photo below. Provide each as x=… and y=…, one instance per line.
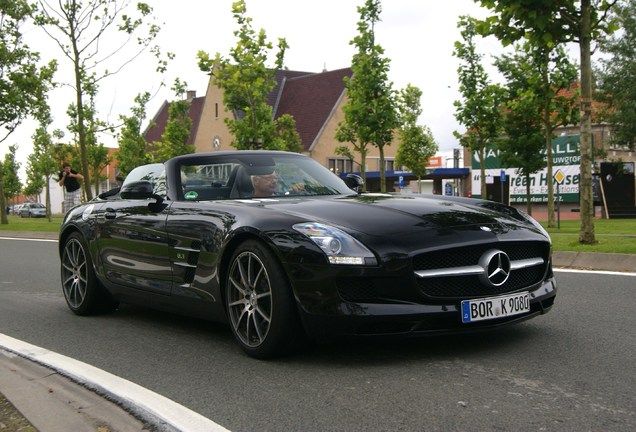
x=417, y=144
x=79, y=28
x=23, y=83
x=290, y=140
x=12, y=186
x=617, y=77
x=42, y=163
x=132, y=145
x=370, y=114
x=246, y=82
x=546, y=23
x=480, y=108
x=174, y=140
x=534, y=108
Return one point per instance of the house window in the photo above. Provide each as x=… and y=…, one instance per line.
x=216, y=110
x=389, y=165
x=339, y=165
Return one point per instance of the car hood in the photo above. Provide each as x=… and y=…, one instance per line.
x=384, y=214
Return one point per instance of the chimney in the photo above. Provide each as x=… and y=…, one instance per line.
x=191, y=95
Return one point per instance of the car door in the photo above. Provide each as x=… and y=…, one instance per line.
x=133, y=244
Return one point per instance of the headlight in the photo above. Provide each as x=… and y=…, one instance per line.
x=339, y=246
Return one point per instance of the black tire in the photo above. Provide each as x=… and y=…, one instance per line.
x=260, y=303
x=82, y=291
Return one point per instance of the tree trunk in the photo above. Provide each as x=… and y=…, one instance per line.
x=47, y=199
x=550, y=180
x=482, y=168
x=81, y=130
x=363, y=169
x=3, y=203
x=528, y=200
x=382, y=171
x=586, y=233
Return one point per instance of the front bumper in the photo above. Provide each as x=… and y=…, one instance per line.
x=411, y=320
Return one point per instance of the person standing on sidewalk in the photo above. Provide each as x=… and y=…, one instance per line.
x=69, y=181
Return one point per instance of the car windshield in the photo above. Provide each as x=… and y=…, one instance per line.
x=257, y=175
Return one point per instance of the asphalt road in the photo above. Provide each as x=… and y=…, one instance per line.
x=572, y=369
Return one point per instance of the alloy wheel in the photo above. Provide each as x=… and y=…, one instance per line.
x=74, y=273
x=249, y=299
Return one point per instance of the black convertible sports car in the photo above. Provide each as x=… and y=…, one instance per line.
x=314, y=258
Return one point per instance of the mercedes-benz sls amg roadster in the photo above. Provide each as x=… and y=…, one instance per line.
x=283, y=250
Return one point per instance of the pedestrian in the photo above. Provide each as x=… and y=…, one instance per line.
x=69, y=181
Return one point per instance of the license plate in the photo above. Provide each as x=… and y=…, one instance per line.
x=495, y=307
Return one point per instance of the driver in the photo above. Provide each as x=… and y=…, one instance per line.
x=264, y=184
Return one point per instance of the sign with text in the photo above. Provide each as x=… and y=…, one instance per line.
x=565, y=160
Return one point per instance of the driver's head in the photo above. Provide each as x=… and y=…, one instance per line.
x=264, y=182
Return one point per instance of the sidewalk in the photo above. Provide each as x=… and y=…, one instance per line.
x=44, y=391
x=52, y=403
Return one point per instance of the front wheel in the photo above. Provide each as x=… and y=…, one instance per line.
x=82, y=291
x=260, y=303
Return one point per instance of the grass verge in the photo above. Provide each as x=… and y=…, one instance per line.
x=612, y=236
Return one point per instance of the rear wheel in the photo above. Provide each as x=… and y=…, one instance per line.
x=82, y=291
x=260, y=303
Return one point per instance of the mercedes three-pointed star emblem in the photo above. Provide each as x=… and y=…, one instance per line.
x=496, y=265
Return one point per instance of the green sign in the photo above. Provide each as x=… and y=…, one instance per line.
x=566, y=161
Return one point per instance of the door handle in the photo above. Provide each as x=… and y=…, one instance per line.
x=110, y=213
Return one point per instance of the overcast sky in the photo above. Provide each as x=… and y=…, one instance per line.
x=417, y=36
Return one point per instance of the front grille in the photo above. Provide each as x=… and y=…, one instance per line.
x=458, y=285
x=469, y=255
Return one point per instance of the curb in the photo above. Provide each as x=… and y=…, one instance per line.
x=147, y=406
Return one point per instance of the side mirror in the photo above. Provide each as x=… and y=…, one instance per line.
x=354, y=182
x=139, y=190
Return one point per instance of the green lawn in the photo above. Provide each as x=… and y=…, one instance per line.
x=613, y=235
x=16, y=223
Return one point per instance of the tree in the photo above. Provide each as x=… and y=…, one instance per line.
x=370, y=114
x=174, y=140
x=246, y=82
x=81, y=30
x=345, y=133
x=536, y=78
x=480, y=110
x=617, y=77
x=42, y=162
x=417, y=144
x=10, y=184
x=523, y=141
x=23, y=84
x=97, y=154
x=547, y=22
x=132, y=145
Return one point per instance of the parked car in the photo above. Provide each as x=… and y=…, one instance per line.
x=32, y=210
x=15, y=209
x=315, y=259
